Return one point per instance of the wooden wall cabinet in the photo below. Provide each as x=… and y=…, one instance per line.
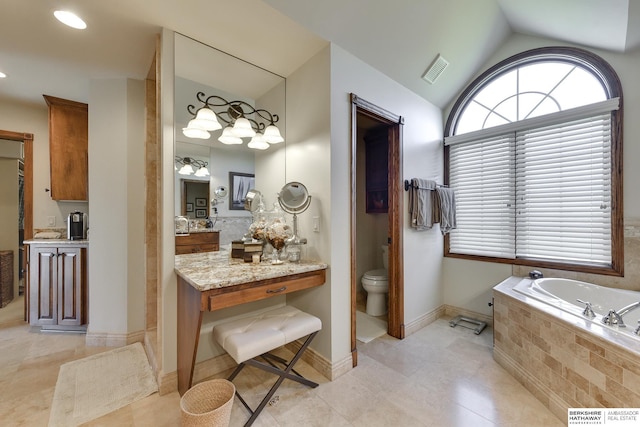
x=198, y=242
x=57, y=286
x=377, y=171
x=68, y=148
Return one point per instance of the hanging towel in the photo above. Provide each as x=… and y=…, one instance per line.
x=447, y=208
x=421, y=203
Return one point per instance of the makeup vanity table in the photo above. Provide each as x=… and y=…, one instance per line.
x=213, y=280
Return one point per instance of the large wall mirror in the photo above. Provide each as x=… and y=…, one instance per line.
x=201, y=68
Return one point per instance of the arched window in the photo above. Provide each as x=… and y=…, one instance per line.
x=533, y=151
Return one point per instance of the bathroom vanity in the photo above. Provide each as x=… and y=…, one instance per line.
x=57, y=283
x=211, y=281
x=195, y=242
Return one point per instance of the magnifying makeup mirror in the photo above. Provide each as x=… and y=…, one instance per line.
x=294, y=199
x=252, y=200
x=220, y=193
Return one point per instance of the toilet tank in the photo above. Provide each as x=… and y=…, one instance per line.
x=385, y=256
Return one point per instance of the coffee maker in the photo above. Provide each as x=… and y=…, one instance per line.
x=77, y=226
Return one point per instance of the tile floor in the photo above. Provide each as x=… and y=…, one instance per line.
x=439, y=376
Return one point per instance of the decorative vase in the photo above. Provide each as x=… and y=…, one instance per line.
x=277, y=233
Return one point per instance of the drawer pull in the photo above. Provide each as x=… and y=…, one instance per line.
x=276, y=291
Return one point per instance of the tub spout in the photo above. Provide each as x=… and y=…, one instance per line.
x=613, y=319
x=628, y=308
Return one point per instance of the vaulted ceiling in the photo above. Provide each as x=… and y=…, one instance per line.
x=399, y=38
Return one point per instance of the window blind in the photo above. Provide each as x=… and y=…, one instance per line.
x=541, y=193
x=482, y=174
x=563, y=191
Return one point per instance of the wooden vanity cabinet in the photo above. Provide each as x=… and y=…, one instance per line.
x=68, y=148
x=57, y=286
x=198, y=242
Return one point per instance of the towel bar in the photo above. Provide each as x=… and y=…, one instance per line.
x=407, y=185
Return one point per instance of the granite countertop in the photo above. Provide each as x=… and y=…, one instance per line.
x=212, y=270
x=57, y=242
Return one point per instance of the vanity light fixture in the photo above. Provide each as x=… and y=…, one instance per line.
x=188, y=164
x=228, y=137
x=2, y=75
x=242, y=120
x=70, y=19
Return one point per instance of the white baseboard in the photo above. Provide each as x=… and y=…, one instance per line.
x=424, y=320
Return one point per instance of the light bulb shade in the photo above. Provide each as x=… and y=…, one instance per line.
x=205, y=119
x=242, y=128
x=228, y=137
x=272, y=135
x=203, y=171
x=258, y=142
x=195, y=132
x=186, y=170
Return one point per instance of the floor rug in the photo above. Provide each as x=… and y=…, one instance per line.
x=96, y=385
x=368, y=327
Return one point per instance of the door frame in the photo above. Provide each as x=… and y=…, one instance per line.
x=27, y=140
x=395, y=123
x=27, y=160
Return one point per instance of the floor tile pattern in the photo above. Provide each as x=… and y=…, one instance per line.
x=439, y=376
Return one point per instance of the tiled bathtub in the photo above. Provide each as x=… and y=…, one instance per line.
x=565, y=361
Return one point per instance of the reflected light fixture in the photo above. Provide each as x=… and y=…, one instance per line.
x=242, y=120
x=70, y=19
x=258, y=142
x=188, y=164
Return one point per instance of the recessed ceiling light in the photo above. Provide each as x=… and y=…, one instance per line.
x=2, y=75
x=70, y=19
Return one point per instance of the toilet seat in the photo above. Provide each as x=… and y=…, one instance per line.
x=380, y=274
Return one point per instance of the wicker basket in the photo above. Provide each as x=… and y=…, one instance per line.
x=6, y=277
x=208, y=404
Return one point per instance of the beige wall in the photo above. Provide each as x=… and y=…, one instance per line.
x=116, y=189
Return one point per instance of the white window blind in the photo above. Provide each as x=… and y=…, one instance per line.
x=482, y=174
x=541, y=193
x=563, y=191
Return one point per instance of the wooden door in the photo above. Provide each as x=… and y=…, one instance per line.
x=43, y=290
x=70, y=286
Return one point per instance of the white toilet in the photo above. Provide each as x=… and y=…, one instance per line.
x=376, y=283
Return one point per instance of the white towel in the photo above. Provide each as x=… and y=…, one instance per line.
x=447, y=207
x=421, y=203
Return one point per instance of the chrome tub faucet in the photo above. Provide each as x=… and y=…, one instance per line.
x=588, y=311
x=615, y=317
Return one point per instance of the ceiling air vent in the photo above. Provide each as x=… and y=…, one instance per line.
x=435, y=69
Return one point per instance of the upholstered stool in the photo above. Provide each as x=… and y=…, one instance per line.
x=250, y=338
